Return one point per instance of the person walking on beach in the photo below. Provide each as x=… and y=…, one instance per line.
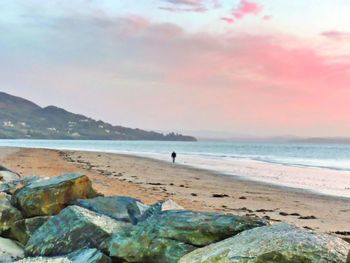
x=173, y=155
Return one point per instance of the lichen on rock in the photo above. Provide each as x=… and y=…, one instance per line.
x=80, y=256
x=167, y=236
x=8, y=213
x=121, y=208
x=22, y=230
x=280, y=243
x=74, y=228
x=49, y=197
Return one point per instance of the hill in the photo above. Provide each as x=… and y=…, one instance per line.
x=23, y=119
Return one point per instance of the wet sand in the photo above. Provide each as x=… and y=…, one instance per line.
x=152, y=180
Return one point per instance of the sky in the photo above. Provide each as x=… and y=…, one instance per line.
x=240, y=67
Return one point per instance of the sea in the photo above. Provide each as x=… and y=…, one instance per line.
x=322, y=168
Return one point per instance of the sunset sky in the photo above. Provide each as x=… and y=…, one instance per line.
x=245, y=67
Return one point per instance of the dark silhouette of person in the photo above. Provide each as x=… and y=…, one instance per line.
x=173, y=155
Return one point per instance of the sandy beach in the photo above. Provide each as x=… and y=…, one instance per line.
x=152, y=180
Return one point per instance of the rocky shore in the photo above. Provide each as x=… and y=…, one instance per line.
x=64, y=219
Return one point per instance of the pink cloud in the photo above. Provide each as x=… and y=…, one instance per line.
x=263, y=79
x=185, y=6
x=228, y=20
x=336, y=35
x=198, y=6
x=199, y=9
x=216, y=3
x=246, y=7
x=185, y=2
x=267, y=17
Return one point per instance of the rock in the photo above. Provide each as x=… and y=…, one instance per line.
x=167, y=236
x=273, y=244
x=220, y=195
x=74, y=228
x=307, y=217
x=168, y=205
x=91, y=255
x=159, y=207
x=7, y=175
x=23, y=229
x=11, y=187
x=8, y=213
x=121, y=208
x=44, y=260
x=9, y=251
x=88, y=256
x=295, y=214
x=49, y=197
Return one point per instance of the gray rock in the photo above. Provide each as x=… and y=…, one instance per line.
x=10, y=251
x=74, y=228
x=121, y=208
x=22, y=230
x=49, y=197
x=91, y=255
x=279, y=243
x=8, y=213
x=160, y=207
x=7, y=175
x=10, y=187
x=167, y=236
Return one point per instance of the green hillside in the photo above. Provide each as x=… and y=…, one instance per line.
x=20, y=118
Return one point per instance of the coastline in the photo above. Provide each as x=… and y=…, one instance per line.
x=197, y=189
x=228, y=176
x=323, y=170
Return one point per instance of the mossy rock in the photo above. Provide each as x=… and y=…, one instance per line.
x=81, y=256
x=167, y=236
x=10, y=187
x=280, y=243
x=22, y=230
x=160, y=207
x=74, y=228
x=8, y=213
x=49, y=197
x=121, y=208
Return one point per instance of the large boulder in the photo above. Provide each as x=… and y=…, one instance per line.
x=91, y=255
x=10, y=187
x=6, y=175
x=74, y=228
x=121, y=208
x=8, y=213
x=273, y=244
x=167, y=236
x=9, y=251
x=49, y=197
x=22, y=230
